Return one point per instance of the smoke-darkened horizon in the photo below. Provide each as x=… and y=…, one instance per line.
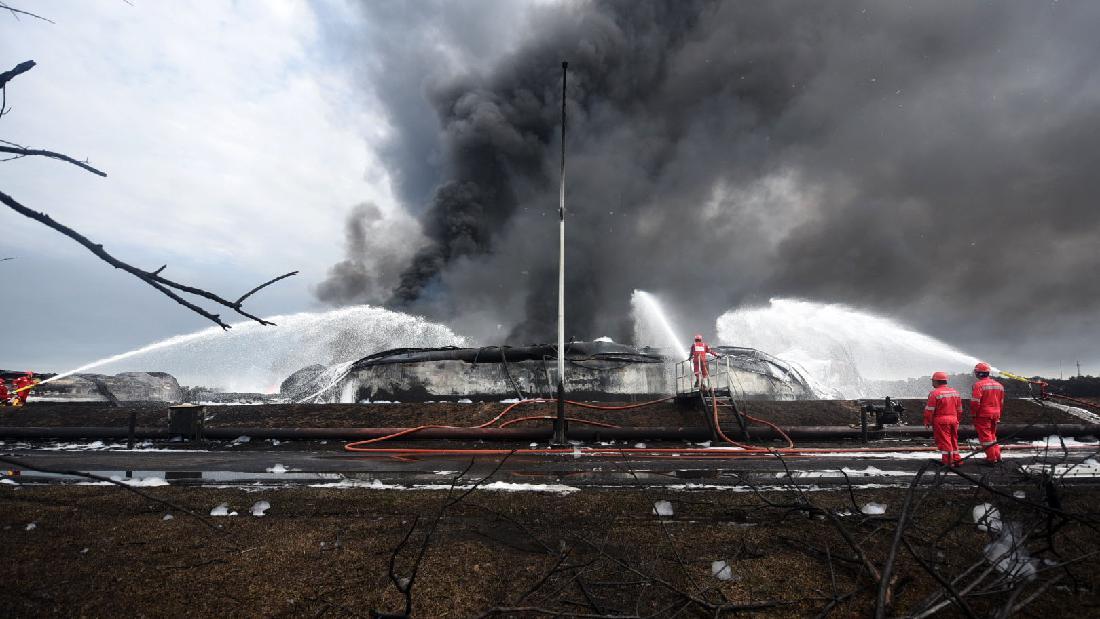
x=930, y=161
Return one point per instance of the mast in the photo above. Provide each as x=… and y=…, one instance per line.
x=560, y=430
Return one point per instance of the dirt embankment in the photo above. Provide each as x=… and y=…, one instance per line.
x=667, y=414
x=102, y=551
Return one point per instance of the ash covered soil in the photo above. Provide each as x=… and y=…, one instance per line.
x=103, y=551
x=669, y=413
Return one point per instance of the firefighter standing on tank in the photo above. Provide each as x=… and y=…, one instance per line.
x=699, y=352
x=943, y=411
x=986, y=402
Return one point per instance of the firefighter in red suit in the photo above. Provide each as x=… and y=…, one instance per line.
x=4, y=397
x=699, y=352
x=986, y=402
x=943, y=411
x=22, y=388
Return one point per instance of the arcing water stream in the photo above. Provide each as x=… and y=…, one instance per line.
x=253, y=358
x=838, y=348
x=652, y=327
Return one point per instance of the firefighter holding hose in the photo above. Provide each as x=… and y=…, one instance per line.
x=22, y=388
x=942, y=412
x=986, y=402
x=699, y=352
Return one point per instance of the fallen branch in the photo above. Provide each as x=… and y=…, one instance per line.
x=883, y=598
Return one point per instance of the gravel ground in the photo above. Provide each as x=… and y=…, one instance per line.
x=102, y=551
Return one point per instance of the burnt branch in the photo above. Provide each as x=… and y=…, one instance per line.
x=166, y=286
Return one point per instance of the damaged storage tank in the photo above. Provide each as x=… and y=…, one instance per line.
x=595, y=371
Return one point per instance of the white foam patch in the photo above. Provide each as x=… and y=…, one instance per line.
x=869, y=471
x=873, y=509
x=1087, y=469
x=987, y=517
x=662, y=508
x=95, y=446
x=1056, y=442
x=141, y=482
x=496, y=486
x=721, y=570
x=772, y=488
x=222, y=509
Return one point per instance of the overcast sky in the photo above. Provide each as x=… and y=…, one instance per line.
x=234, y=147
x=245, y=139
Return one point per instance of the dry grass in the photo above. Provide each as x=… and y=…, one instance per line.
x=100, y=551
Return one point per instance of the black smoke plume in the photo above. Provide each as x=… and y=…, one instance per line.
x=933, y=160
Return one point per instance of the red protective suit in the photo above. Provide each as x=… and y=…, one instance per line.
x=943, y=411
x=986, y=402
x=4, y=397
x=699, y=352
x=19, y=398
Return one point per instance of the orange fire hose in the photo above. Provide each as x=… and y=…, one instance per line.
x=738, y=451
x=588, y=422
x=356, y=446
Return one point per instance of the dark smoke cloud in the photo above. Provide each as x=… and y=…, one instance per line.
x=934, y=161
x=377, y=248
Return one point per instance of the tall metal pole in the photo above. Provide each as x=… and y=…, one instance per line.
x=560, y=430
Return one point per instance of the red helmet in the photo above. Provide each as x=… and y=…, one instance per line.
x=982, y=367
x=939, y=375
x=698, y=337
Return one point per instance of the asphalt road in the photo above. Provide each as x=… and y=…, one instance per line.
x=273, y=467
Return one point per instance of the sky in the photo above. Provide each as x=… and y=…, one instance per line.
x=234, y=145
x=929, y=162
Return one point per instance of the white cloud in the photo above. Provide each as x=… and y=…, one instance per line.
x=227, y=137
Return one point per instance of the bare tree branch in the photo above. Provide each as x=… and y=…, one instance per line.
x=257, y=288
x=153, y=278
x=17, y=12
x=21, y=151
x=19, y=69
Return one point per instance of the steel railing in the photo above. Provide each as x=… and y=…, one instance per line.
x=719, y=370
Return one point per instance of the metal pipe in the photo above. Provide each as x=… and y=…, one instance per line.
x=814, y=433
x=71, y=432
